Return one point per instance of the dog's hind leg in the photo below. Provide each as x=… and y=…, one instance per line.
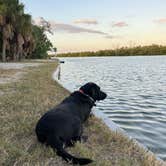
x=70, y=143
x=57, y=144
x=41, y=137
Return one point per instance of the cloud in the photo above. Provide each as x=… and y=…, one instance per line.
x=160, y=21
x=66, y=27
x=112, y=37
x=109, y=37
x=71, y=29
x=130, y=16
x=74, y=29
x=86, y=21
x=119, y=24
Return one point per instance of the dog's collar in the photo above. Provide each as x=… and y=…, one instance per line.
x=91, y=99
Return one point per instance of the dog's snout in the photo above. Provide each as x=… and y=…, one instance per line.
x=103, y=95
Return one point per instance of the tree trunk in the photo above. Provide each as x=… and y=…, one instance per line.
x=14, y=52
x=6, y=31
x=20, y=42
x=4, y=51
x=15, y=57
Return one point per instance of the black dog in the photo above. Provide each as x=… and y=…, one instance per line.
x=62, y=125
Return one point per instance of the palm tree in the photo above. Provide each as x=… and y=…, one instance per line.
x=3, y=28
x=18, y=36
x=7, y=10
x=17, y=40
x=14, y=24
x=26, y=32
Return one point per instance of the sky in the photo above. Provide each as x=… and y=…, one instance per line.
x=91, y=25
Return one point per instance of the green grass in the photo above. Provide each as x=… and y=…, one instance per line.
x=33, y=95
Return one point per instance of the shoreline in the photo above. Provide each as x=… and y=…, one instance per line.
x=36, y=93
x=109, y=56
x=108, y=122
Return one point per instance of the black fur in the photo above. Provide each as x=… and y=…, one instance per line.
x=62, y=125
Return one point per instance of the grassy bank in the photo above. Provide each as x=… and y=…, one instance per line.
x=23, y=104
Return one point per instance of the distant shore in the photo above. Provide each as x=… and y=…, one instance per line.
x=122, y=51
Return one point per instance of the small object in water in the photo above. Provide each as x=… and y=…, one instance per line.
x=62, y=61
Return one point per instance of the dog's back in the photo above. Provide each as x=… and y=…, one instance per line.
x=59, y=122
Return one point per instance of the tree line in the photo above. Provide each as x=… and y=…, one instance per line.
x=123, y=51
x=19, y=38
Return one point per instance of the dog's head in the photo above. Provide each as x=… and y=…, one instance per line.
x=93, y=91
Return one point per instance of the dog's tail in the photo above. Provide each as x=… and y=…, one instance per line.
x=67, y=157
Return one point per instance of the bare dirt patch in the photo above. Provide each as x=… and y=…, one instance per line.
x=8, y=76
x=11, y=72
x=19, y=65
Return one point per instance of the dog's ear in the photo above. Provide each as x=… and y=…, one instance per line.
x=87, y=88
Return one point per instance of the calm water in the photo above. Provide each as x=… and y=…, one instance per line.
x=136, y=88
